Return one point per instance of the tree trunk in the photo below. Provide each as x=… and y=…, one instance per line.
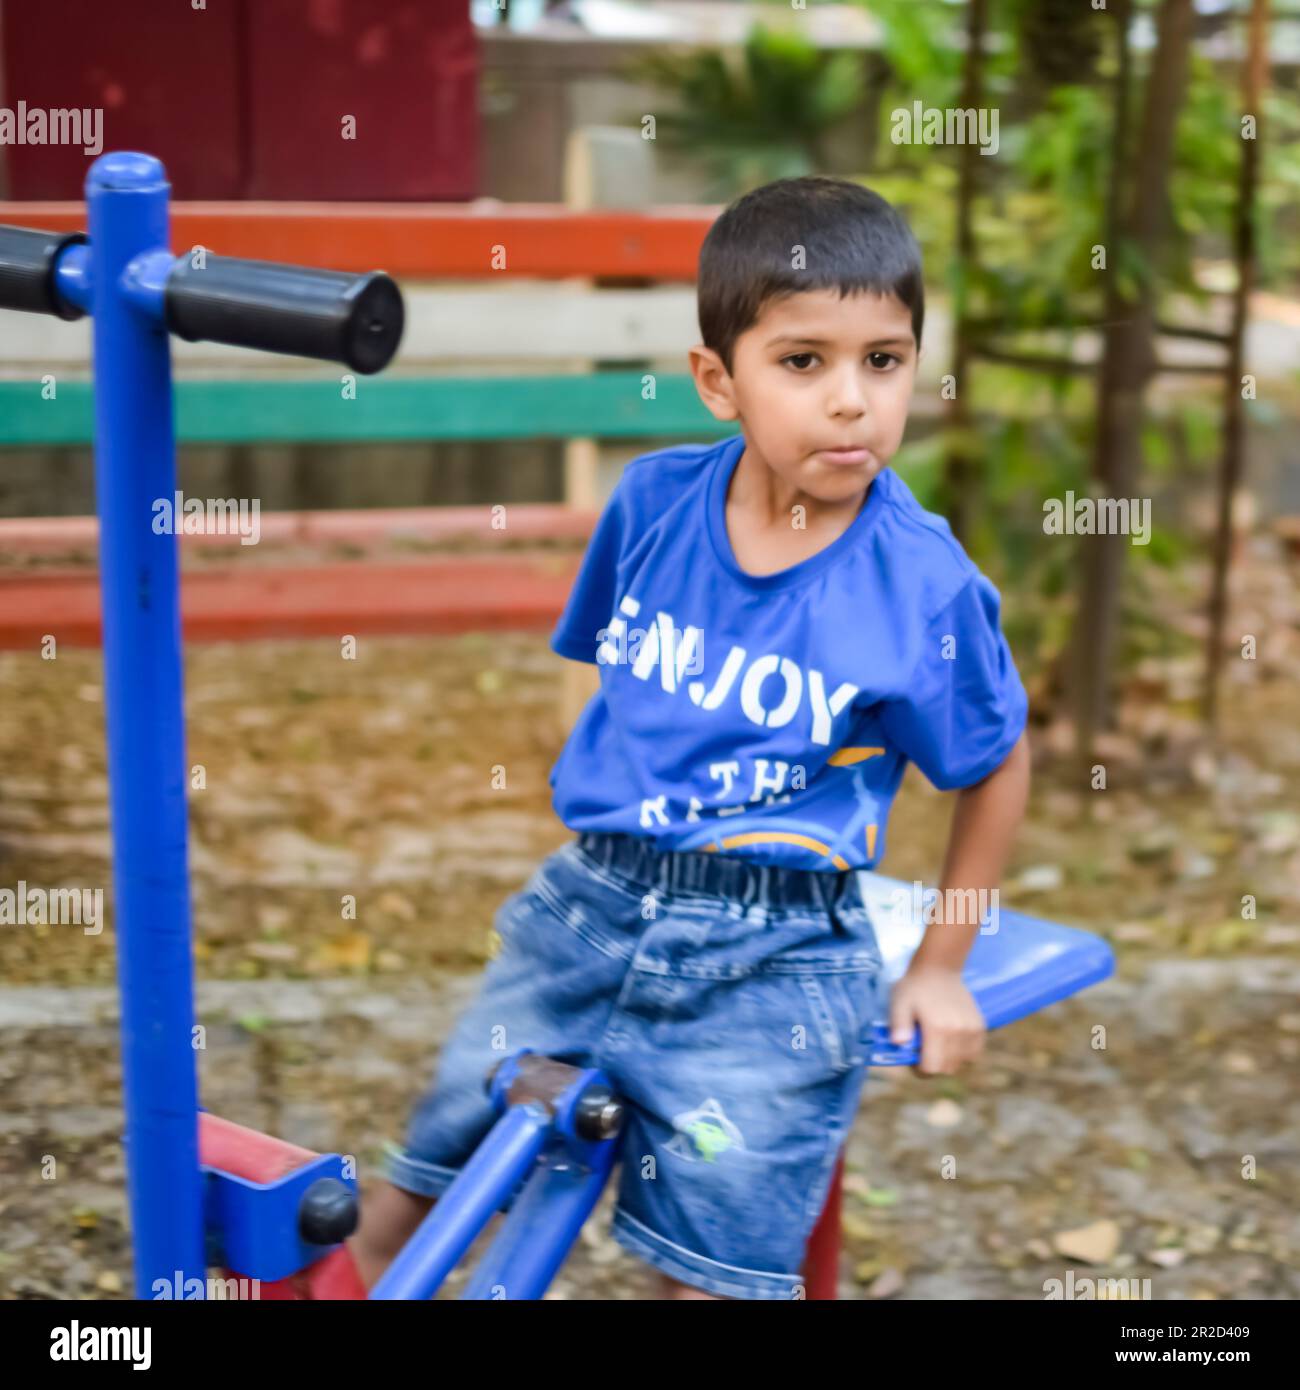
x=960, y=482
x=1230, y=464
x=1128, y=359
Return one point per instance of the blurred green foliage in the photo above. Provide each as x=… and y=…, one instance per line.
x=1039, y=214
x=756, y=116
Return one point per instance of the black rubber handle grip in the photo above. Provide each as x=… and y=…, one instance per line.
x=329, y=314
x=27, y=261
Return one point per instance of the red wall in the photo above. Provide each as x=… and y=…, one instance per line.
x=246, y=98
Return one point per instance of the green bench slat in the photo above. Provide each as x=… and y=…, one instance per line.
x=600, y=405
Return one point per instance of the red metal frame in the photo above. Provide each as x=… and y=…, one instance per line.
x=258, y=1157
x=821, y=1267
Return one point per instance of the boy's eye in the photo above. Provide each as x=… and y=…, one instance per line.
x=881, y=361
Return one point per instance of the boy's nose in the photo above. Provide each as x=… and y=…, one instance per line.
x=847, y=398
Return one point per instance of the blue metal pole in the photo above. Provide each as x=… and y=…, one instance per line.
x=492, y=1174
x=135, y=464
x=543, y=1223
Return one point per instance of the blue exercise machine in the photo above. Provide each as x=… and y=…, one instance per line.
x=204, y=1192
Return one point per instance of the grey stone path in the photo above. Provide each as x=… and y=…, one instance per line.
x=1144, y=1147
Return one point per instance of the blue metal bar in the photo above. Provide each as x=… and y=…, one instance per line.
x=145, y=279
x=126, y=198
x=542, y=1225
x=255, y=1228
x=72, y=277
x=497, y=1167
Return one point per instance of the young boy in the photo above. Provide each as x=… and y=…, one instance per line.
x=779, y=628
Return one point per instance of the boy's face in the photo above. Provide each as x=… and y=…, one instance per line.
x=818, y=372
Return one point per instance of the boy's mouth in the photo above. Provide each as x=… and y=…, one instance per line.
x=845, y=456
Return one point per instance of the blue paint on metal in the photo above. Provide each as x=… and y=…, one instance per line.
x=135, y=463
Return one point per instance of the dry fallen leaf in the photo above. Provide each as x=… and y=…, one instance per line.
x=886, y=1284
x=396, y=905
x=350, y=952
x=1095, y=1244
x=943, y=1114
x=279, y=952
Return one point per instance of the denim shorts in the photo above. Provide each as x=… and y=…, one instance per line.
x=730, y=1003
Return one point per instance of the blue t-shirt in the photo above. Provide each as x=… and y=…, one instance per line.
x=772, y=716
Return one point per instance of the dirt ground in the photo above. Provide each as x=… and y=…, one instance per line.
x=1172, y=1155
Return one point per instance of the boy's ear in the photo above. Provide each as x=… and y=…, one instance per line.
x=713, y=382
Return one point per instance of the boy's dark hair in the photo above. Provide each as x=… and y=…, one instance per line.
x=853, y=241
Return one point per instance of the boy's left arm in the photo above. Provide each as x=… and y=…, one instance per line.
x=931, y=992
